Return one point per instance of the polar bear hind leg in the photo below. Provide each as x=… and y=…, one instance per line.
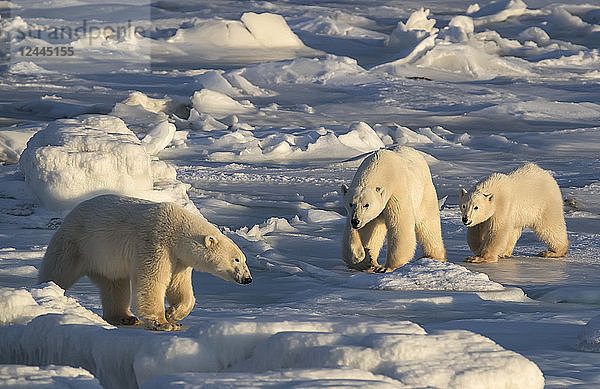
x=553, y=232
x=62, y=262
x=116, y=300
x=401, y=240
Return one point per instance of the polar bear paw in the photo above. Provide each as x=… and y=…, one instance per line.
x=475, y=259
x=154, y=325
x=124, y=321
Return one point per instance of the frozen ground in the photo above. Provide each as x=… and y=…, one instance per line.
x=256, y=120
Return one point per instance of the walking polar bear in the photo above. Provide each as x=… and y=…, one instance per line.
x=122, y=243
x=499, y=207
x=391, y=195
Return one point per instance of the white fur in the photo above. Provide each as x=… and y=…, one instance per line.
x=499, y=207
x=123, y=243
x=391, y=195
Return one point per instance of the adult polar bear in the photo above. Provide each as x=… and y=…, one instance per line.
x=391, y=195
x=499, y=207
x=122, y=243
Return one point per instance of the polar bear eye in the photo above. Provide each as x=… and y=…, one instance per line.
x=237, y=259
x=464, y=206
x=366, y=205
x=476, y=208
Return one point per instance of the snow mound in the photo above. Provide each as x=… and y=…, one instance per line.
x=325, y=70
x=321, y=144
x=159, y=137
x=75, y=159
x=219, y=104
x=21, y=376
x=499, y=11
x=259, y=230
x=409, y=34
x=589, y=337
x=252, y=31
x=20, y=306
x=13, y=142
x=426, y=274
x=331, y=26
x=28, y=68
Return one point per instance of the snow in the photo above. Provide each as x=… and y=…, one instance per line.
x=254, y=114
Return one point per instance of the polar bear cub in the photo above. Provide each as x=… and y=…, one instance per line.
x=125, y=244
x=499, y=207
x=392, y=195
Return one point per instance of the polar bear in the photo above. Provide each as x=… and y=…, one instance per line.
x=125, y=244
x=391, y=195
x=499, y=207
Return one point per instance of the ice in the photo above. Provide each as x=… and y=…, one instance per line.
x=21, y=376
x=256, y=119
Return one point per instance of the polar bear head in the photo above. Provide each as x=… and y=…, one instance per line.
x=363, y=204
x=215, y=254
x=476, y=207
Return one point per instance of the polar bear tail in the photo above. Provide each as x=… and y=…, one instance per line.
x=61, y=262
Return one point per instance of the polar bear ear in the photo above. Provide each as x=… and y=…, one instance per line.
x=210, y=241
x=463, y=192
x=345, y=188
x=489, y=196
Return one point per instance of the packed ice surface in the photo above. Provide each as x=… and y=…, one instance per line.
x=254, y=114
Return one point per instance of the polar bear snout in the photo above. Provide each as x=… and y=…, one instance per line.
x=466, y=221
x=245, y=280
x=355, y=222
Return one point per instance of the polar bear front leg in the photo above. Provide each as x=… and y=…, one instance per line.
x=352, y=247
x=180, y=296
x=476, y=236
x=150, y=285
x=372, y=236
x=493, y=245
